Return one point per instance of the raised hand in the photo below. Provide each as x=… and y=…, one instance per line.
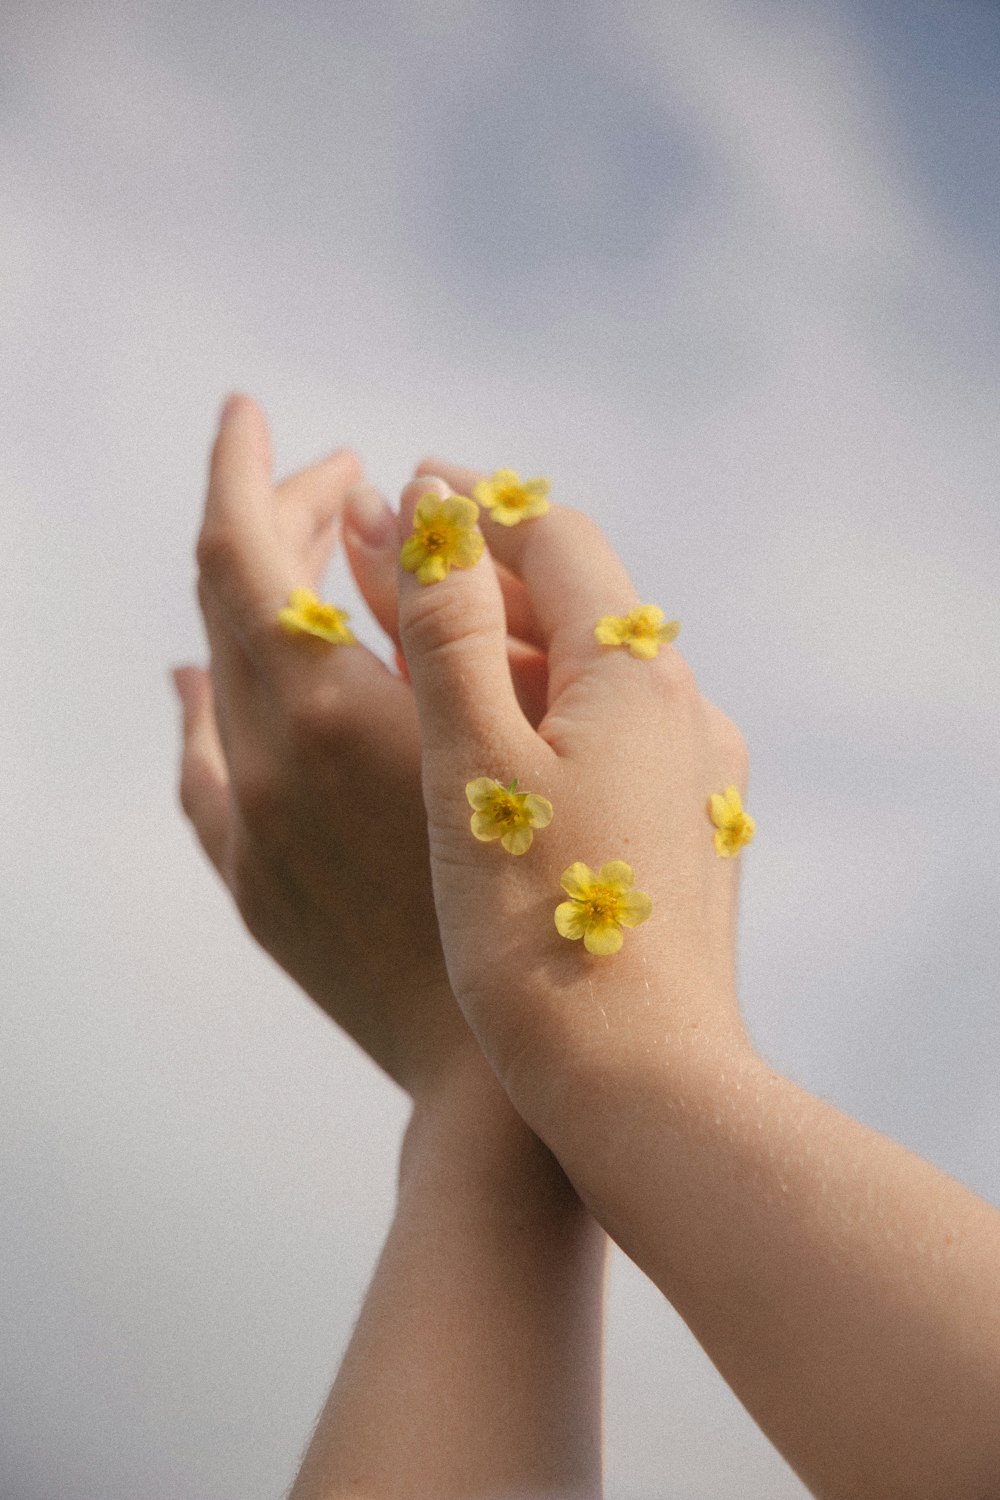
x=300, y=770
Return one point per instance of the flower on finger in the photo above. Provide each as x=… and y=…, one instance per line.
x=304, y=614
x=733, y=826
x=502, y=812
x=600, y=905
x=444, y=537
x=511, y=499
x=643, y=630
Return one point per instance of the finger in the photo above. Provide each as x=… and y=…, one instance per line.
x=204, y=780
x=571, y=572
x=238, y=549
x=454, y=635
x=371, y=542
x=309, y=506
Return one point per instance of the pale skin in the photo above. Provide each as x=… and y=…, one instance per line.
x=842, y=1286
x=475, y=1366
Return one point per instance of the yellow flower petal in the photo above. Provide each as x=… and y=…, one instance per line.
x=459, y=511
x=517, y=840
x=571, y=920
x=481, y=791
x=485, y=826
x=633, y=908
x=718, y=809
x=304, y=614
x=644, y=646
x=577, y=880
x=539, y=809
x=467, y=549
x=610, y=630
x=432, y=570
x=603, y=938
x=412, y=554
x=617, y=874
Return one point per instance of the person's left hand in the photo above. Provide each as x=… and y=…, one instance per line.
x=300, y=769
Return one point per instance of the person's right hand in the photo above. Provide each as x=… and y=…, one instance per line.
x=629, y=753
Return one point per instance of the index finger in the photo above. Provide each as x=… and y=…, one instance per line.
x=572, y=573
x=237, y=549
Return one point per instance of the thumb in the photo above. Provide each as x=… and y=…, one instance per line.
x=453, y=630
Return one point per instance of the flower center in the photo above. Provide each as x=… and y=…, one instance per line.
x=434, y=539
x=505, y=809
x=601, y=905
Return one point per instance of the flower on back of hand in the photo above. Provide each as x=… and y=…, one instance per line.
x=304, y=614
x=511, y=499
x=502, y=812
x=733, y=826
x=600, y=905
x=444, y=536
x=643, y=630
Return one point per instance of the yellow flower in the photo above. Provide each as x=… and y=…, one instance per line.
x=733, y=827
x=444, y=537
x=504, y=813
x=643, y=630
x=305, y=615
x=509, y=499
x=600, y=905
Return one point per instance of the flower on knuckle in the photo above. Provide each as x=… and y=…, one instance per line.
x=444, y=536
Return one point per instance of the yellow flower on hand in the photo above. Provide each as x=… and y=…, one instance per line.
x=600, y=905
x=643, y=630
x=304, y=614
x=733, y=826
x=444, y=537
x=509, y=499
x=502, y=812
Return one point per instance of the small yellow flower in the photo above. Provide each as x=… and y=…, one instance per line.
x=600, y=905
x=733, y=827
x=502, y=812
x=444, y=537
x=509, y=499
x=643, y=630
x=304, y=614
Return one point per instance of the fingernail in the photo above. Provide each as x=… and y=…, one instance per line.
x=369, y=517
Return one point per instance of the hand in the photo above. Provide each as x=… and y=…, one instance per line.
x=628, y=753
x=300, y=769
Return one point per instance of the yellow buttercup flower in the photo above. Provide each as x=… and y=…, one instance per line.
x=444, y=537
x=510, y=499
x=733, y=826
x=502, y=812
x=304, y=614
x=600, y=905
x=643, y=630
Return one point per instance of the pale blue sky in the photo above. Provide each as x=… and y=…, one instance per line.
x=728, y=273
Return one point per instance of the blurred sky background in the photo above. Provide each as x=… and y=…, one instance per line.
x=727, y=272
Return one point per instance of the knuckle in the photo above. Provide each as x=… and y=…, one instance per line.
x=441, y=622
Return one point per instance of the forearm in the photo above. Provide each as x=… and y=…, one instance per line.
x=846, y=1289
x=475, y=1367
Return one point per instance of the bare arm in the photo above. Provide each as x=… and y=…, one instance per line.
x=846, y=1289
x=475, y=1365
